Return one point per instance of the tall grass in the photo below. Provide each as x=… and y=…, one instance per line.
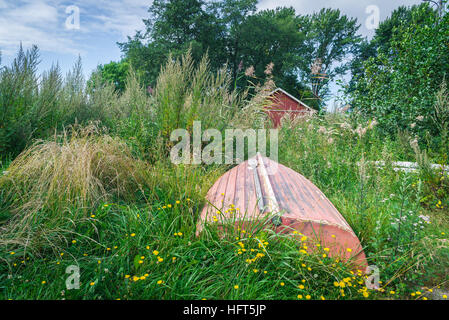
x=383, y=206
x=186, y=93
x=33, y=106
x=55, y=183
x=67, y=176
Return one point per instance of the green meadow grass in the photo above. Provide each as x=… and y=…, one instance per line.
x=108, y=201
x=150, y=250
x=146, y=253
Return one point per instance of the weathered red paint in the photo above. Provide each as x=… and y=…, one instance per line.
x=282, y=104
x=302, y=205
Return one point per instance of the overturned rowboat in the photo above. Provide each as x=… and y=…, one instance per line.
x=260, y=188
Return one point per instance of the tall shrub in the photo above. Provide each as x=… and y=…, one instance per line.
x=399, y=84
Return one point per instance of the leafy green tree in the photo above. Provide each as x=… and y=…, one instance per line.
x=398, y=85
x=232, y=33
x=273, y=36
x=330, y=38
x=116, y=73
x=174, y=27
x=233, y=15
x=381, y=42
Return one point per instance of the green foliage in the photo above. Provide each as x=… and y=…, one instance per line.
x=330, y=37
x=271, y=36
x=398, y=85
x=233, y=33
x=116, y=73
x=382, y=38
x=33, y=107
x=173, y=28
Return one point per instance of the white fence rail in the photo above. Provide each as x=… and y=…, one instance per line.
x=409, y=166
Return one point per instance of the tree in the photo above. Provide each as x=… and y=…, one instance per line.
x=232, y=15
x=173, y=27
x=381, y=42
x=116, y=73
x=330, y=38
x=272, y=36
x=232, y=33
x=398, y=85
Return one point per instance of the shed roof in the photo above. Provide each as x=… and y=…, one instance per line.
x=292, y=97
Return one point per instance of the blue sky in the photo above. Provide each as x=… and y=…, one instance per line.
x=43, y=22
x=104, y=23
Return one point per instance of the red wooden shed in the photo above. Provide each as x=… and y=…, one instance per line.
x=284, y=103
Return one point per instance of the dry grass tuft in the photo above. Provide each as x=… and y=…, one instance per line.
x=79, y=170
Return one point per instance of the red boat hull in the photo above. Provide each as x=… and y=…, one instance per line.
x=298, y=205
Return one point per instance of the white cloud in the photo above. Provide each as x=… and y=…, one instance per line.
x=42, y=22
x=352, y=8
x=121, y=18
x=17, y=33
x=34, y=13
x=34, y=22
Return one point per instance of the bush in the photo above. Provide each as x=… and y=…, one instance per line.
x=399, y=83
